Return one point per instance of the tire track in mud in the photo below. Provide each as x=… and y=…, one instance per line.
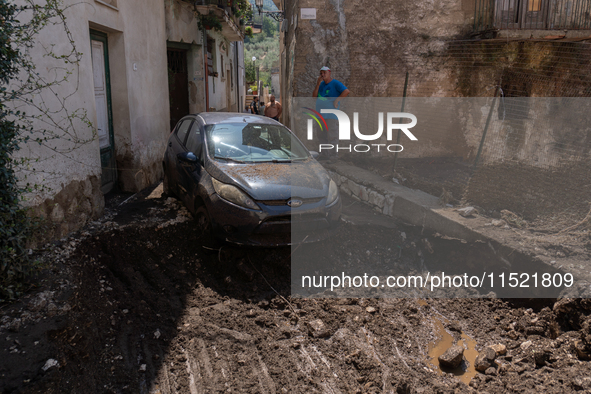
x=170, y=317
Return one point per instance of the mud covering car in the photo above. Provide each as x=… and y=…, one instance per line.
x=249, y=180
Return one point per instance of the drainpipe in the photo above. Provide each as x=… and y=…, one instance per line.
x=206, y=78
x=239, y=105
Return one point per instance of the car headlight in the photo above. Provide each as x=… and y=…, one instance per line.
x=333, y=192
x=233, y=194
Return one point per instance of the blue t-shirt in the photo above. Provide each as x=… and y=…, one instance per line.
x=327, y=93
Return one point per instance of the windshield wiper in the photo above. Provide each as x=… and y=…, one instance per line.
x=228, y=159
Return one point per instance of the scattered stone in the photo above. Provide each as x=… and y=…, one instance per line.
x=251, y=313
x=370, y=309
x=467, y=211
x=52, y=309
x=143, y=367
x=452, y=357
x=498, y=222
x=540, y=357
x=37, y=303
x=513, y=334
x=15, y=325
x=317, y=329
x=454, y=326
x=499, y=349
x=157, y=334
x=490, y=371
x=485, y=359
x=50, y=364
x=535, y=330
x=581, y=350
x=525, y=345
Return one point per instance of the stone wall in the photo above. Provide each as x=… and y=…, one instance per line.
x=371, y=45
x=70, y=209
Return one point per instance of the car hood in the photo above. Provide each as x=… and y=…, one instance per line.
x=274, y=181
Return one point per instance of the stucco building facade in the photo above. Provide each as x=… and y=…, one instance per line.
x=143, y=65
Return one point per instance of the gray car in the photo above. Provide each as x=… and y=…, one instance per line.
x=249, y=180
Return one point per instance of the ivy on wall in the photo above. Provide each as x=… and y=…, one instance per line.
x=27, y=100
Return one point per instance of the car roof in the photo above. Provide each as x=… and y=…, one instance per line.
x=233, y=117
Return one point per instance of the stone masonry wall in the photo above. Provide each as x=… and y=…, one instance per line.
x=69, y=210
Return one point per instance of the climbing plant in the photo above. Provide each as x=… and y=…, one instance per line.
x=32, y=112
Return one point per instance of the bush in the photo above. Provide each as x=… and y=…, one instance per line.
x=15, y=228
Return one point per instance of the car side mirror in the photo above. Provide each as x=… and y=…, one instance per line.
x=188, y=157
x=314, y=154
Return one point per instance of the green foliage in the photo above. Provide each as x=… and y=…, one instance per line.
x=20, y=86
x=266, y=50
x=268, y=5
x=14, y=227
x=248, y=32
x=242, y=9
x=210, y=20
x=250, y=71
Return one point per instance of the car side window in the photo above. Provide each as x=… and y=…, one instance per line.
x=182, y=130
x=194, y=140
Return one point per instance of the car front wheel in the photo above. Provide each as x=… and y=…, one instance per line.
x=203, y=221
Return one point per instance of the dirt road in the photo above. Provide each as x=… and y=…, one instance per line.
x=135, y=304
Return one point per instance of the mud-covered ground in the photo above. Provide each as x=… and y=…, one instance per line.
x=134, y=304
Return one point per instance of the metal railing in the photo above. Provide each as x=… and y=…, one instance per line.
x=532, y=14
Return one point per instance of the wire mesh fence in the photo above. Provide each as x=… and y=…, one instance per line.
x=535, y=151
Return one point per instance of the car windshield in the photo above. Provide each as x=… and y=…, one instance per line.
x=248, y=143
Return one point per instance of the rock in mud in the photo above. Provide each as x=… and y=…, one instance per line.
x=540, y=357
x=452, y=357
x=499, y=349
x=454, y=326
x=581, y=350
x=318, y=329
x=525, y=345
x=50, y=364
x=485, y=359
x=535, y=330
x=467, y=212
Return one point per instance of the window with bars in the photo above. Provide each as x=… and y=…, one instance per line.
x=211, y=57
x=177, y=61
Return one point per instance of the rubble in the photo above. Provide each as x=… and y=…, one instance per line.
x=485, y=359
x=467, y=211
x=452, y=357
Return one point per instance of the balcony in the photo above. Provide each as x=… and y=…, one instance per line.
x=231, y=28
x=532, y=15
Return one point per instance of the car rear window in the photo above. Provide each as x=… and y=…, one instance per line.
x=182, y=129
x=194, y=140
x=249, y=142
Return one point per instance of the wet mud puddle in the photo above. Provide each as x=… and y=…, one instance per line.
x=466, y=371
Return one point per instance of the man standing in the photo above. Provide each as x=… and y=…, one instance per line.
x=254, y=105
x=273, y=108
x=329, y=93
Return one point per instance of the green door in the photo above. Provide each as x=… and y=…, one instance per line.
x=104, y=113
